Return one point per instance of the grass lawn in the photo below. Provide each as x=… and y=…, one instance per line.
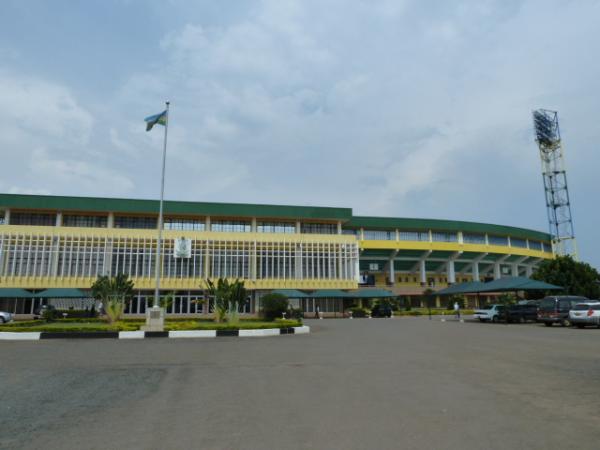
x=134, y=325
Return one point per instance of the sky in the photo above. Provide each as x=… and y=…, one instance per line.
x=393, y=108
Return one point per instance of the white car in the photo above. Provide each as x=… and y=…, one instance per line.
x=5, y=317
x=492, y=313
x=587, y=313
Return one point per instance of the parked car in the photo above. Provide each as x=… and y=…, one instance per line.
x=587, y=313
x=523, y=312
x=381, y=311
x=555, y=309
x=492, y=313
x=5, y=317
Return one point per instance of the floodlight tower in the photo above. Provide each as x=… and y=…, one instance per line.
x=558, y=206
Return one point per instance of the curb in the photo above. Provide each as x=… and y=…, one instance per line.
x=36, y=336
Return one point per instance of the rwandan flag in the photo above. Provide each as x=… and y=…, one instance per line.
x=160, y=118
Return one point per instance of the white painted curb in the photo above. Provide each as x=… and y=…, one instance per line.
x=131, y=335
x=8, y=336
x=193, y=334
x=302, y=330
x=262, y=332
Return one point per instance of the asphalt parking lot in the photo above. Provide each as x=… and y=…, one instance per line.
x=407, y=383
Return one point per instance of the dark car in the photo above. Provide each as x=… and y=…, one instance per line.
x=523, y=312
x=381, y=311
x=556, y=309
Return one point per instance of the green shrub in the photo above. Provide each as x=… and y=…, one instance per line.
x=360, y=312
x=273, y=306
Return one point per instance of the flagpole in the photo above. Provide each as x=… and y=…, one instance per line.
x=160, y=215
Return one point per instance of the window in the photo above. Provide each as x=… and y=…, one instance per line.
x=230, y=226
x=350, y=232
x=172, y=223
x=318, y=228
x=535, y=245
x=135, y=222
x=276, y=227
x=516, y=242
x=380, y=235
x=85, y=221
x=414, y=235
x=497, y=240
x=444, y=237
x=472, y=238
x=39, y=219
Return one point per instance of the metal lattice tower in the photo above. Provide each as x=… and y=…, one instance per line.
x=558, y=205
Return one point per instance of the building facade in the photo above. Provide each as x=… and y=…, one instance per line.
x=66, y=242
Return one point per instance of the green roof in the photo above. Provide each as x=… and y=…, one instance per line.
x=132, y=206
x=443, y=225
x=372, y=293
x=62, y=293
x=290, y=293
x=471, y=287
x=519, y=284
x=15, y=293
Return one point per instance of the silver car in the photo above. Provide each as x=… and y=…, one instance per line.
x=585, y=313
x=5, y=317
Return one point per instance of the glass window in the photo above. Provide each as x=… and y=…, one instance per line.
x=498, y=240
x=135, y=222
x=70, y=220
x=351, y=232
x=414, y=235
x=39, y=219
x=438, y=236
x=318, y=228
x=535, y=245
x=230, y=226
x=172, y=223
x=276, y=227
x=473, y=238
x=516, y=242
x=380, y=235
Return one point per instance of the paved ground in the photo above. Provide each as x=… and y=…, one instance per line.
x=352, y=384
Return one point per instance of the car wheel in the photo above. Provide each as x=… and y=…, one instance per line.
x=2, y=320
x=565, y=323
x=495, y=319
x=548, y=324
x=482, y=320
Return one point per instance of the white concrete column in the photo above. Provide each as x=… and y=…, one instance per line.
x=497, y=274
x=110, y=223
x=6, y=216
x=460, y=238
x=298, y=227
x=514, y=270
x=475, y=271
x=339, y=227
x=362, y=234
x=423, y=272
x=253, y=225
x=392, y=273
x=450, y=272
x=397, y=234
x=58, y=219
x=207, y=223
x=528, y=271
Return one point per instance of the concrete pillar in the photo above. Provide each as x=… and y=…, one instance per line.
x=450, y=272
x=397, y=235
x=392, y=273
x=253, y=225
x=339, y=227
x=298, y=227
x=460, y=238
x=514, y=270
x=423, y=272
x=497, y=274
x=6, y=216
x=362, y=234
x=475, y=271
x=207, y=223
x=110, y=223
x=58, y=219
x=528, y=271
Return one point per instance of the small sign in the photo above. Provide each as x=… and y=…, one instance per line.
x=182, y=248
x=373, y=266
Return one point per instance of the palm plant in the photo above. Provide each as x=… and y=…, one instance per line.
x=227, y=298
x=113, y=292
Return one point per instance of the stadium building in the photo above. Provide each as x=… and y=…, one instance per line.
x=327, y=256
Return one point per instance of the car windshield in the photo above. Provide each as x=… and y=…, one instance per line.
x=548, y=304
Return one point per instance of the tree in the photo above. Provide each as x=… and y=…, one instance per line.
x=227, y=297
x=273, y=305
x=576, y=277
x=113, y=292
